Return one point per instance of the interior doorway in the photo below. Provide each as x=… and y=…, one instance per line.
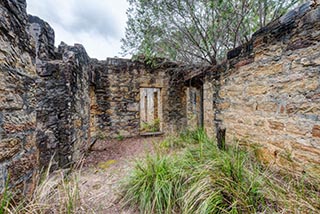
x=195, y=103
x=150, y=110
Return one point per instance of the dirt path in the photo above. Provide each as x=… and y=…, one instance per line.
x=105, y=167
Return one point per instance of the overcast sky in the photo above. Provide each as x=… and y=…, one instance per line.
x=97, y=24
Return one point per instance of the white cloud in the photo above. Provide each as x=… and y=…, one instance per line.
x=97, y=24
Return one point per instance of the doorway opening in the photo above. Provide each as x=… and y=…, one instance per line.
x=195, y=108
x=150, y=111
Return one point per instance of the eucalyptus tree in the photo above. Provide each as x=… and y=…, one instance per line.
x=195, y=31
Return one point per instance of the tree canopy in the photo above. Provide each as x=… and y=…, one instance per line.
x=195, y=31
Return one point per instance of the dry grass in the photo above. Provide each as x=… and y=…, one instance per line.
x=56, y=193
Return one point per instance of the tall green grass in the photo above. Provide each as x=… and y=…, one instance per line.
x=153, y=185
x=5, y=198
x=203, y=179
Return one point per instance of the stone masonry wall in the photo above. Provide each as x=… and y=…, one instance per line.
x=268, y=92
x=18, y=151
x=44, y=98
x=63, y=109
x=117, y=84
x=52, y=100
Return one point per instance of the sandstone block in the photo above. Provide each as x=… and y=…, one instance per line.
x=9, y=148
x=223, y=105
x=298, y=129
x=257, y=89
x=260, y=123
x=243, y=63
x=266, y=70
x=267, y=106
x=21, y=167
x=78, y=123
x=303, y=85
x=19, y=121
x=133, y=107
x=316, y=131
x=30, y=142
x=306, y=62
x=276, y=125
x=11, y=101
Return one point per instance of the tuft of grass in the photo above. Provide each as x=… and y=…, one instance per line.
x=120, y=137
x=203, y=179
x=152, y=185
x=222, y=182
x=6, y=198
x=184, y=139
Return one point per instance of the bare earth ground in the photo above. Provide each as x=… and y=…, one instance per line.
x=104, y=168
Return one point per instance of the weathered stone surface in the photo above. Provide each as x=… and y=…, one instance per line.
x=273, y=100
x=14, y=43
x=116, y=96
x=17, y=90
x=43, y=37
x=316, y=131
x=44, y=97
x=52, y=100
x=11, y=101
x=26, y=165
x=276, y=125
x=63, y=110
x=133, y=107
x=9, y=147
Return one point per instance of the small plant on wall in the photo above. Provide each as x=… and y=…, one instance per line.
x=153, y=126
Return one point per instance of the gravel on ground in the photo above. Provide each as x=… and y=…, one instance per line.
x=108, y=163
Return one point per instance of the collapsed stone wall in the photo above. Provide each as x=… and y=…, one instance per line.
x=52, y=100
x=268, y=91
x=44, y=98
x=116, y=96
x=18, y=151
x=63, y=107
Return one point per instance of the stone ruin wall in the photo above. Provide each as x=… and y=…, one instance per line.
x=54, y=101
x=116, y=95
x=44, y=98
x=18, y=100
x=63, y=107
x=268, y=92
